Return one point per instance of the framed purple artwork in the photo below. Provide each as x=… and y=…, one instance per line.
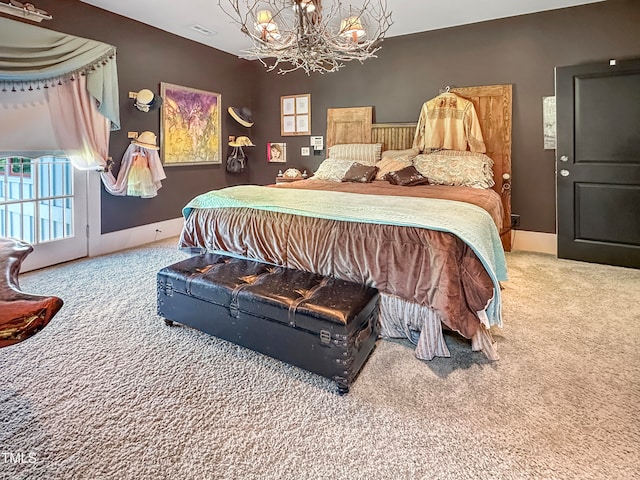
x=190, y=126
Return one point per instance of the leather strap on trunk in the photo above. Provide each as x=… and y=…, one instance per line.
x=304, y=295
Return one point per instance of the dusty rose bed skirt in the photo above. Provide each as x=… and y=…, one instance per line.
x=427, y=278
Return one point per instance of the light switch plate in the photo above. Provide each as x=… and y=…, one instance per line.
x=304, y=151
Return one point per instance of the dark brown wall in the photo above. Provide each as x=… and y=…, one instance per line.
x=147, y=56
x=521, y=50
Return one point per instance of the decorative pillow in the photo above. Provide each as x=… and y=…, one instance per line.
x=360, y=173
x=364, y=153
x=333, y=169
x=408, y=153
x=387, y=165
x=451, y=167
x=408, y=177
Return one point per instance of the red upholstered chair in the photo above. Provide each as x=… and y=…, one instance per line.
x=21, y=314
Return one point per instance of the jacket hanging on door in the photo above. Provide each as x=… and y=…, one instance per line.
x=449, y=122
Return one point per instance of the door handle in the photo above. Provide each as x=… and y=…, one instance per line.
x=564, y=158
x=564, y=172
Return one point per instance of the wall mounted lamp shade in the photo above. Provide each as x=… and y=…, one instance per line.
x=147, y=101
x=242, y=115
x=288, y=35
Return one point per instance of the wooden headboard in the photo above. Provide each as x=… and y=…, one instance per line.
x=493, y=107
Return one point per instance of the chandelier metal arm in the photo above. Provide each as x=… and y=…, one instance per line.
x=305, y=35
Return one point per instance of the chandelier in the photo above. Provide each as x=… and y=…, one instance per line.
x=303, y=34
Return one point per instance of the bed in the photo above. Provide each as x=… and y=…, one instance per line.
x=435, y=252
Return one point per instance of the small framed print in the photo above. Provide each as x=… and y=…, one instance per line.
x=549, y=119
x=295, y=115
x=288, y=125
x=302, y=123
x=277, y=152
x=288, y=106
x=302, y=104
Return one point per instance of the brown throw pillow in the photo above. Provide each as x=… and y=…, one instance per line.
x=408, y=177
x=360, y=173
x=387, y=165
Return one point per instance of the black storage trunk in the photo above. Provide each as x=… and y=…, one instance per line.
x=321, y=324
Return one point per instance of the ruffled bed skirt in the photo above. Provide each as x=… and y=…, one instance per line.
x=422, y=326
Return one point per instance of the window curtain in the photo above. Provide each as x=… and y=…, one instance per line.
x=73, y=79
x=33, y=57
x=82, y=131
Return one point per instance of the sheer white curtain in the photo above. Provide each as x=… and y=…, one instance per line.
x=26, y=129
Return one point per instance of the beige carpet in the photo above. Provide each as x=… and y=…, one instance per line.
x=107, y=391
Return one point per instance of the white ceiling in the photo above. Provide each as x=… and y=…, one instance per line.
x=409, y=16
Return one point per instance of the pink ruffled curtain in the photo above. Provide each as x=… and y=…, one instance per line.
x=82, y=132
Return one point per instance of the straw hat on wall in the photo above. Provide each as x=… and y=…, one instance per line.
x=242, y=115
x=242, y=142
x=146, y=140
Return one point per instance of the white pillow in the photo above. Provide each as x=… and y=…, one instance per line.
x=363, y=153
x=450, y=167
x=333, y=169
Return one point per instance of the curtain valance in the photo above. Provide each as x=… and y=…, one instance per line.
x=33, y=58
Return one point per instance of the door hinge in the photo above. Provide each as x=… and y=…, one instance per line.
x=87, y=231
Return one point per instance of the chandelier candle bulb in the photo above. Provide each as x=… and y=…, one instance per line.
x=264, y=19
x=352, y=28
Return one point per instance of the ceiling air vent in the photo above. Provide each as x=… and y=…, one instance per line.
x=202, y=30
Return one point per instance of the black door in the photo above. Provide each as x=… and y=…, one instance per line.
x=598, y=162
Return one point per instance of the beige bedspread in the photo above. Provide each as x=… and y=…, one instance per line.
x=425, y=267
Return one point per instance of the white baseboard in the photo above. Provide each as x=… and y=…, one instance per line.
x=134, y=237
x=534, y=242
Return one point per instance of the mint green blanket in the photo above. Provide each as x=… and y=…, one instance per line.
x=470, y=223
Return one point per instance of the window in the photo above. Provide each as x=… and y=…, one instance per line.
x=36, y=198
x=16, y=166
